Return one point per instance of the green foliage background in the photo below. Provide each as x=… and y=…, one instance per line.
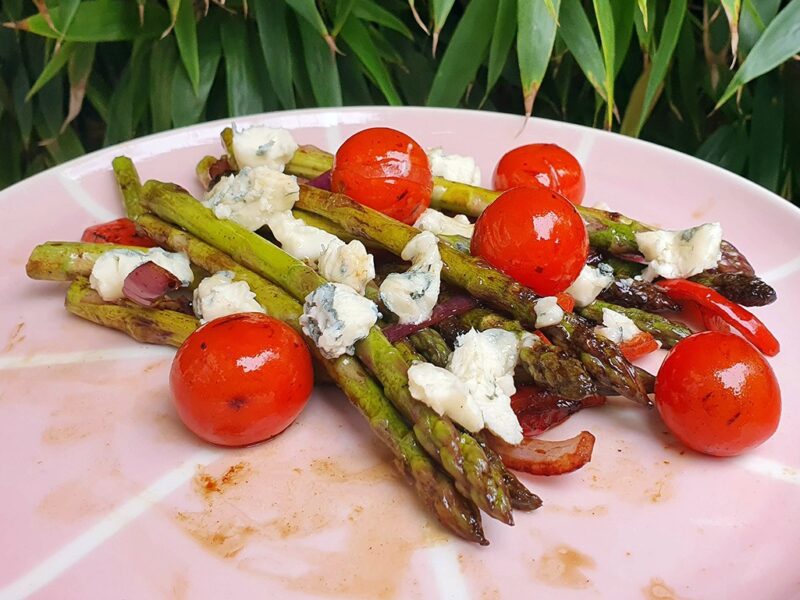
x=717, y=79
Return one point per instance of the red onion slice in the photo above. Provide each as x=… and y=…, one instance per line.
x=539, y=410
x=451, y=307
x=322, y=182
x=148, y=283
x=544, y=457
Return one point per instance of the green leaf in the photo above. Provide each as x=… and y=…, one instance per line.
x=662, y=57
x=753, y=20
x=241, y=77
x=645, y=21
x=66, y=14
x=128, y=97
x=276, y=48
x=343, y=10
x=689, y=77
x=99, y=96
x=308, y=10
x=357, y=37
x=355, y=91
x=52, y=68
x=188, y=106
x=766, y=134
x=502, y=38
x=726, y=147
x=623, y=30
x=464, y=54
x=79, y=69
x=321, y=67
x=48, y=108
x=536, y=32
x=635, y=111
x=22, y=109
x=186, y=36
x=174, y=6
x=605, y=24
x=373, y=12
x=102, y=21
x=779, y=42
x=576, y=31
x=163, y=65
x=440, y=10
x=732, y=9
x=644, y=12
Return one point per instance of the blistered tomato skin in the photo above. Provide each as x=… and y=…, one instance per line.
x=386, y=170
x=718, y=394
x=546, y=165
x=535, y=236
x=241, y=379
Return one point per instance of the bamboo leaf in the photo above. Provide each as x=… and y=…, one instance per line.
x=173, y=6
x=753, y=20
x=623, y=30
x=464, y=54
x=357, y=37
x=605, y=24
x=22, y=109
x=321, y=66
x=127, y=97
x=634, y=111
x=163, y=65
x=373, y=12
x=355, y=91
x=276, y=48
x=186, y=36
x=417, y=17
x=576, y=31
x=343, y=10
x=101, y=21
x=645, y=21
x=662, y=57
x=79, y=69
x=766, y=134
x=536, y=32
x=732, y=9
x=48, y=108
x=66, y=14
x=53, y=67
x=440, y=9
x=643, y=11
x=241, y=78
x=502, y=38
x=188, y=106
x=308, y=10
x=99, y=96
x=779, y=42
x=726, y=147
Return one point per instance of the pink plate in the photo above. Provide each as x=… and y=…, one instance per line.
x=105, y=494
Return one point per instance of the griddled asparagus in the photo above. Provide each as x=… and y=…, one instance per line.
x=665, y=331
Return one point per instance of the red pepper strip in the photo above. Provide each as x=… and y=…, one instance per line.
x=719, y=313
x=638, y=346
x=565, y=301
x=121, y=231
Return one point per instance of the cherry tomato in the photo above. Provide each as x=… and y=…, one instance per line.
x=545, y=165
x=241, y=379
x=638, y=346
x=535, y=236
x=121, y=231
x=386, y=170
x=718, y=394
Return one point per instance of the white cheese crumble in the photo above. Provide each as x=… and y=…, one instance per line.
x=548, y=312
x=219, y=296
x=113, y=266
x=476, y=388
x=302, y=241
x=680, y=254
x=590, y=282
x=262, y=146
x=413, y=294
x=349, y=264
x=335, y=317
x=440, y=224
x=454, y=167
x=617, y=327
x=252, y=195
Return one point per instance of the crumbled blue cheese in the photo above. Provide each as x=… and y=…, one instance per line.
x=617, y=327
x=454, y=167
x=349, y=264
x=261, y=146
x=590, y=282
x=413, y=294
x=113, y=266
x=548, y=312
x=335, y=317
x=252, y=195
x=302, y=241
x=440, y=224
x=680, y=254
x=219, y=296
x=476, y=388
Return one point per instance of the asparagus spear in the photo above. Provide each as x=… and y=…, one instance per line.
x=129, y=185
x=603, y=358
x=665, y=331
x=431, y=345
x=638, y=294
x=747, y=290
x=521, y=497
x=64, y=261
x=459, y=454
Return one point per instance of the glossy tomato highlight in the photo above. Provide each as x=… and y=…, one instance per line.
x=241, y=379
x=535, y=236
x=541, y=165
x=718, y=394
x=386, y=170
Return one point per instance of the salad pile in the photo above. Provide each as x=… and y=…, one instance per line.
x=462, y=322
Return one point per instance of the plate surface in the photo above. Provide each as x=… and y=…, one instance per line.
x=105, y=494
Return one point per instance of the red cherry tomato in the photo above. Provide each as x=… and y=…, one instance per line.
x=121, y=231
x=386, y=170
x=718, y=394
x=545, y=165
x=535, y=236
x=241, y=379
